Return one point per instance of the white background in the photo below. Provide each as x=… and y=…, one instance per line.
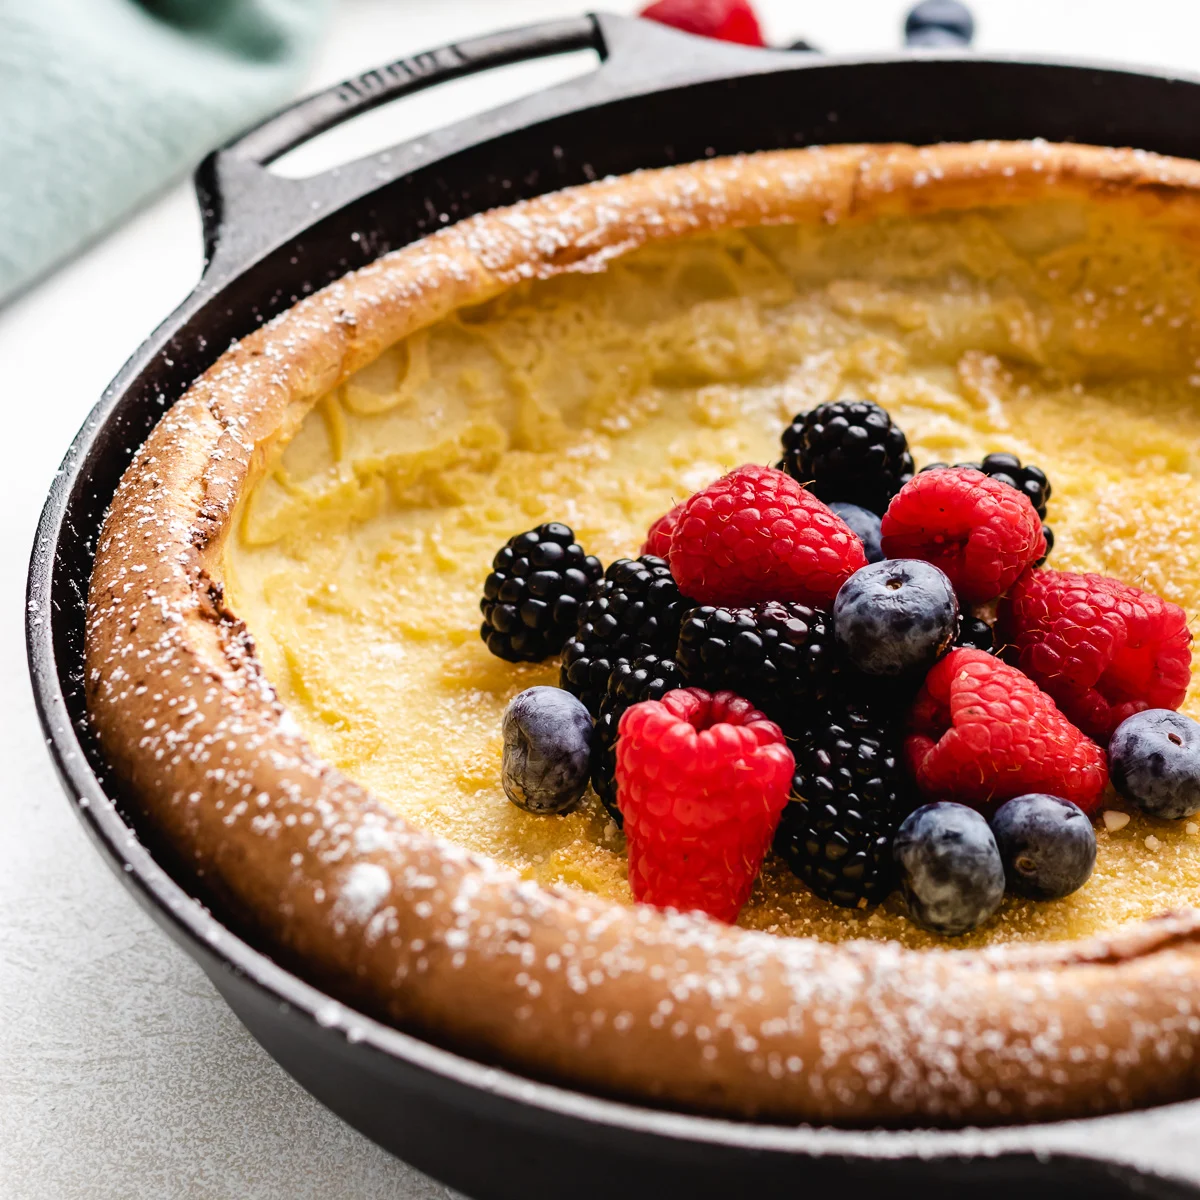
x=122, y=1073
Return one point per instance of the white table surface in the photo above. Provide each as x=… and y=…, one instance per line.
x=122, y=1073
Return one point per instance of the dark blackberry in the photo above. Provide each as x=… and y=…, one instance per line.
x=877, y=702
x=1048, y=533
x=650, y=677
x=533, y=597
x=635, y=610
x=848, y=450
x=976, y=634
x=781, y=657
x=850, y=794
x=1029, y=480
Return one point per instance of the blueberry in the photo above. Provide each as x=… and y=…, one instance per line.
x=1154, y=761
x=895, y=616
x=1047, y=845
x=935, y=23
x=864, y=524
x=949, y=867
x=547, y=750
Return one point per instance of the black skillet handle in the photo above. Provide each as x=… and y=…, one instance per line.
x=306, y=118
x=241, y=203
x=245, y=208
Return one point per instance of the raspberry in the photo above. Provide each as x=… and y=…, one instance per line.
x=981, y=733
x=756, y=534
x=728, y=20
x=701, y=779
x=980, y=531
x=1008, y=468
x=1102, y=649
x=658, y=537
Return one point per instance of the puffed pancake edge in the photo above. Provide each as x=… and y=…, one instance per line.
x=625, y=1001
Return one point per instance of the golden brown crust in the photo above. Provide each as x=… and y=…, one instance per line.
x=626, y=1001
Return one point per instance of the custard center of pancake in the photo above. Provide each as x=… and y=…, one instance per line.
x=1060, y=332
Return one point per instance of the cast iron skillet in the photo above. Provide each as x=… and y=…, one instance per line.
x=658, y=97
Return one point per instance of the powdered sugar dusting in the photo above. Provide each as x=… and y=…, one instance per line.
x=366, y=886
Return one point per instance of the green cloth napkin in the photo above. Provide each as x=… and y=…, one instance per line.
x=102, y=102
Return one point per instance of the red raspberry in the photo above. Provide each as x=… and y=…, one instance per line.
x=729, y=20
x=981, y=733
x=1102, y=649
x=658, y=537
x=701, y=780
x=981, y=532
x=756, y=534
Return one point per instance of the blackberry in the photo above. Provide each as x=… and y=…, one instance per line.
x=534, y=594
x=848, y=450
x=650, y=677
x=635, y=610
x=1031, y=481
x=976, y=634
x=850, y=795
x=779, y=656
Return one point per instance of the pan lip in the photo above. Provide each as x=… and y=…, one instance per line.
x=206, y=933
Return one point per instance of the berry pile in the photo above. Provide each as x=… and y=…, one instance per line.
x=865, y=668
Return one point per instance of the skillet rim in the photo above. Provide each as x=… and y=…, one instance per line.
x=203, y=456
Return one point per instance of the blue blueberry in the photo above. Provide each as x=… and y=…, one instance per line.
x=864, y=524
x=1154, y=761
x=1047, y=845
x=895, y=616
x=547, y=750
x=949, y=867
x=939, y=23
